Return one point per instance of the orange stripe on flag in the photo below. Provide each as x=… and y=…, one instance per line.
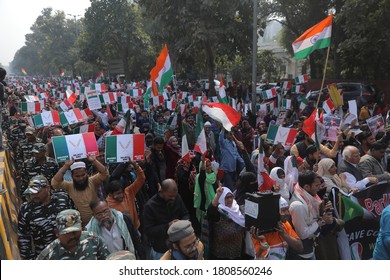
x=159, y=63
x=316, y=29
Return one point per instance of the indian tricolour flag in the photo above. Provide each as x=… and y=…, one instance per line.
x=222, y=113
x=286, y=85
x=75, y=146
x=286, y=104
x=200, y=135
x=221, y=92
x=100, y=77
x=86, y=113
x=328, y=106
x=170, y=104
x=316, y=37
x=31, y=98
x=269, y=93
x=303, y=104
x=84, y=128
x=125, y=147
x=124, y=107
x=302, y=79
x=162, y=73
x=65, y=106
x=284, y=135
x=31, y=107
x=47, y=118
x=71, y=117
x=137, y=92
x=24, y=72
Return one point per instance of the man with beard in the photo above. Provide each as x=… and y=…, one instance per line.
x=160, y=212
x=115, y=228
x=184, y=244
x=37, y=217
x=72, y=243
x=82, y=189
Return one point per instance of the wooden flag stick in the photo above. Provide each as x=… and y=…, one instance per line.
x=323, y=77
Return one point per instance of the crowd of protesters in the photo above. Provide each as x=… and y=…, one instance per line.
x=89, y=209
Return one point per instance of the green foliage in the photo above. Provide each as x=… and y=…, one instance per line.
x=200, y=31
x=113, y=29
x=268, y=65
x=365, y=51
x=47, y=48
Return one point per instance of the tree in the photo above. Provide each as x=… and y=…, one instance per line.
x=47, y=47
x=365, y=51
x=113, y=29
x=296, y=16
x=201, y=31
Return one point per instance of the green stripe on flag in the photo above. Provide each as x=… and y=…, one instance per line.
x=271, y=134
x=60, y=147
x=111, y=150
x=63, y=120
x=165, y=79
x=38, y=122
x=320, y=44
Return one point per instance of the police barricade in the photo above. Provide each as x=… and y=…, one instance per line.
x=9, y=205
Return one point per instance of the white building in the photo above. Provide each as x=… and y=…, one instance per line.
x=290, y=67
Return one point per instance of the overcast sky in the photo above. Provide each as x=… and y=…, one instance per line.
x=17, y=16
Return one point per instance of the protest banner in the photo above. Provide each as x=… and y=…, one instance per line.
x=75, y=146
x=122, y=147
x=332, y=124
x=376, y=124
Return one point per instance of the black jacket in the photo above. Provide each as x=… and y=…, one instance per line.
x=156, y=217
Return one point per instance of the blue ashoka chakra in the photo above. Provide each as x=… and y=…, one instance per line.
x=314, y=39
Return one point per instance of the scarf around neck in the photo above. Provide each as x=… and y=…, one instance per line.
x=312, y=202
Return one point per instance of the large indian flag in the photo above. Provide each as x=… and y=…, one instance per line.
x=74, y=146
x=121, y=148
x=222, y=113
x=162, y=72
x=316, y=37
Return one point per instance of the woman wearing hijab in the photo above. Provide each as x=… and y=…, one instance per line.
x=247, y=135
x=172, y=155
x=278, y=175
x=205, y=186
x=227, y=227
x=328, y=171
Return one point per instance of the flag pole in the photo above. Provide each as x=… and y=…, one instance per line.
x=323, y=77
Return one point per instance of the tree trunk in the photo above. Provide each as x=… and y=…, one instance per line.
x=210, y=67
x=125, y=61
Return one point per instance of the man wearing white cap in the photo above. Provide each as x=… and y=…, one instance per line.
x=274, y=245
x=210, y=138
x=82, y=189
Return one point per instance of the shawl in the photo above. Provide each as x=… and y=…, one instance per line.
x=93, y=226
x=232, y=212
